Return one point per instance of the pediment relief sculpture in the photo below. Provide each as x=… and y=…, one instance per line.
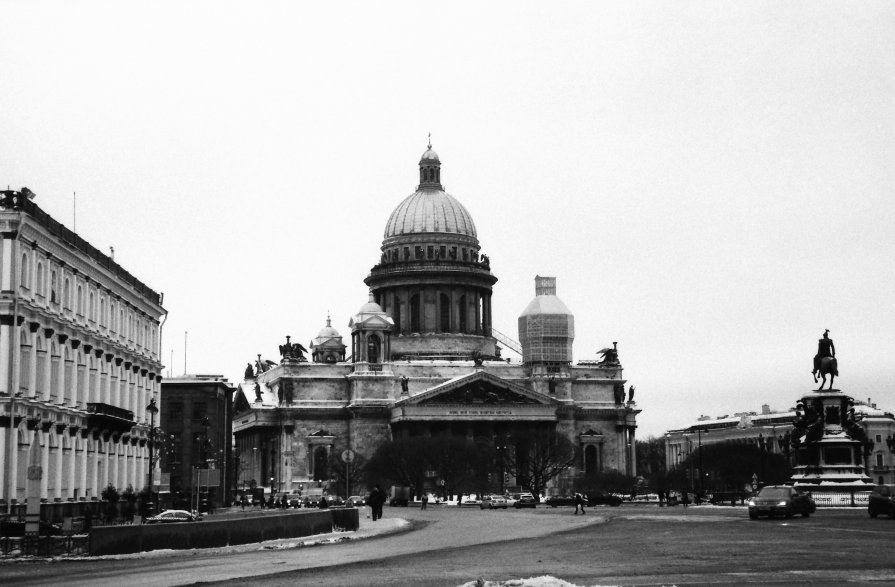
x=480, y=392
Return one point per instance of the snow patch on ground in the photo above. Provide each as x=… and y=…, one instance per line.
x=543, y=581
x=388, y=526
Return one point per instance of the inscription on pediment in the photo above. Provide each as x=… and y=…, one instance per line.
x=480, y=393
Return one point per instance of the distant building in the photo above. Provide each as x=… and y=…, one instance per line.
x=197, y=434
x=79, y=360
x=424, y=361
x=768, y=429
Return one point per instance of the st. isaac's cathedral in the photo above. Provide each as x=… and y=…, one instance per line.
x=424, y=360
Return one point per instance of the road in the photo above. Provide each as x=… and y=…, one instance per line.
x=609, y=546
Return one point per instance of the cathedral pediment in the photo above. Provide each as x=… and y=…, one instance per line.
x=478, y=389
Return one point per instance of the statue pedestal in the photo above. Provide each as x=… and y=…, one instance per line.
x=831, y=445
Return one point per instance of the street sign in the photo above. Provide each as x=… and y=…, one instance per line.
x=347, y=456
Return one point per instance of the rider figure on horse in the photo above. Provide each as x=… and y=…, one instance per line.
x=825, y=348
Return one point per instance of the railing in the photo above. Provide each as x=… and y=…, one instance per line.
x=108, y=410
x=858, y=498
x=507, y=341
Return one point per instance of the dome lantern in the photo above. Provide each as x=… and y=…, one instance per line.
x=430, y=169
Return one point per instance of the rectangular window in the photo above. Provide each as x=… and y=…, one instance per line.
x=879, y=438
x=442, y=252
x=879, y=459
x=430, y=252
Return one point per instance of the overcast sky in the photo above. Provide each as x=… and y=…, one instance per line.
x=711, y=183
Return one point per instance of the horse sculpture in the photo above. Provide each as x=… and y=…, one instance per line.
x=829, y=367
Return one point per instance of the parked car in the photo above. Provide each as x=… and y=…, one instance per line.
x=603, y=499
x=493, y=502
x=781, y=499
x=558, y=500
x=470, y=502
x=882, y=501
x=524, y=500
x=170, y=516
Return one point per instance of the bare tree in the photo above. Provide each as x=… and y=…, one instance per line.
x=400, y=462
x=540, y=456
x=354, y=472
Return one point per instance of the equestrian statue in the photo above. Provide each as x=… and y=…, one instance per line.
x=825, y=361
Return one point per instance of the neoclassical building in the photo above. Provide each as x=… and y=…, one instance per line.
x=770, y=431
x=423, y=360
x=79, y=360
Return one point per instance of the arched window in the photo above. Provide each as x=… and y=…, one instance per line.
x=373, y=349
x=321, y=466
x=54, y=299
x=590, y=459
x=91, y=307
x=40, y=278
x=24, y=275
x=80, y=301
x=66, y=294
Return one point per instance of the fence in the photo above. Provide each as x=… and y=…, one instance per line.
x=841, y=498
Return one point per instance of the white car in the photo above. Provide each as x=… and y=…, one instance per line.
x=170, y=516
x=493, y=502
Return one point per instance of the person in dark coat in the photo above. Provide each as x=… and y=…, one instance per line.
x=323, y=504
x=579, y=503
x=377, y=498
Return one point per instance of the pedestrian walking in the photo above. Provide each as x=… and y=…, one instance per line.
x=579, y=503
x=425, y=501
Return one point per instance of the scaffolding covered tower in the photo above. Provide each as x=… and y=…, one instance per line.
x=546, y=328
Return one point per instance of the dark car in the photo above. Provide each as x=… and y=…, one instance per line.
x=603, y=499
x=557, y=500
x=524, y=500
x=781, y=499
x=882, y=501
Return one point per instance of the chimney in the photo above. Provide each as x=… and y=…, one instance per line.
x=765, y=409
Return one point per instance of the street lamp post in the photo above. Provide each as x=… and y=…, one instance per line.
x=701, y=470
x=203, y=496
x=153, y=410
x=501, y=448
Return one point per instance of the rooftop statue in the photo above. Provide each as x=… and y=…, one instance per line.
x=825, y=361
x=250, y=372
x=293, y=351
x=609, y=356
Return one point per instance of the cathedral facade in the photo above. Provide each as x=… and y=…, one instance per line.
x=423, y=360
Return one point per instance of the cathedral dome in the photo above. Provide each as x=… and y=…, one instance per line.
x=328, y=331
x=371, y=307
x=430, y=210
